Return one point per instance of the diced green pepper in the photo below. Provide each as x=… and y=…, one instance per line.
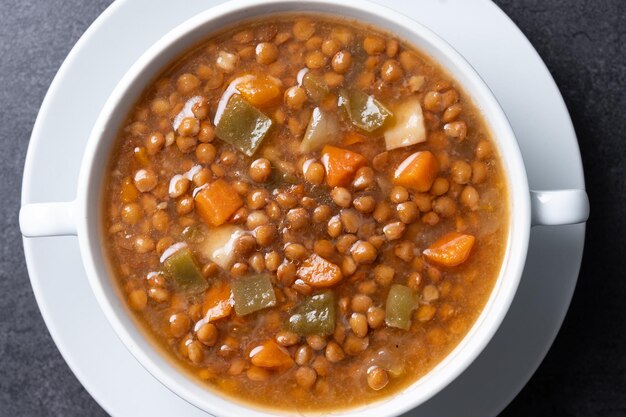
x=193, y=234
x=315, y=86
x=316, y=315
x=323, y=128
x=243, y=125
x=280, y=178
x=364, y=111
x=253, y=293
x=401, y=302
x=182, y=268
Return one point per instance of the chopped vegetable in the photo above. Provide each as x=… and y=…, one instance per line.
x=318, y=272
x=129, y=192
x=182, y=268
x=450, y=250
x=341, y=165
x=186, y=111
x=217, y=202
x=141, y=156
x=220, y=245
x=364, y=111
x=401, y=301
x=260, y=90
x=193, y=233
x=323, y=128
x=243, y=125
x=408, y=128
x=218, y=301
x=270, y=355
x=253, y=293
x=315, y=86
x=316, y=315
x=417, y=172
x=352, y=138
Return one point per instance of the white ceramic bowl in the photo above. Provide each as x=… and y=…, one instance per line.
x=82, y=217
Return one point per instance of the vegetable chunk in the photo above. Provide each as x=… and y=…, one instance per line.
x=243, y=125
x=315, y=86
x=417, y=172
x=323, y=128
x=352, y=138
x=409, y=126
x=181, y=266
x=217, y=202
x=316, y=315
x=450, y=250
x=401, y=301
x=270, y=355
x=218, y=302
x=364, y=111
x=219, y=246
x=260, y=90
x=318, y=272
x=252, y=294
x=341, y=165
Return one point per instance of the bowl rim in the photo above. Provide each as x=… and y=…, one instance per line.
x=177, y=42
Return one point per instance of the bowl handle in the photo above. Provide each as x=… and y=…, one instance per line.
x=551, y=208
x=48, y=219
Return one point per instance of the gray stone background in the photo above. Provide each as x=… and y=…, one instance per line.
x=583, y=43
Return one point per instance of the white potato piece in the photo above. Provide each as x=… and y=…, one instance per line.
x=219, y=246
x=323, y=128
x=408, y=128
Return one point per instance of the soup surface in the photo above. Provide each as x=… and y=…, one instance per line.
x=305, y=213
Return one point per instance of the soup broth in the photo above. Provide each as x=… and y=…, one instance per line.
x=305, y=213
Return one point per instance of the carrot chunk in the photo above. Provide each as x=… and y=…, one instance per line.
x=352, y=138
x=417, y=172
x=270, y=355
x=128, y=192
x=141, y=156
x=260, y=90
x=217, y=202
x=450, y=250
x=318, y=272
x=218, y=302
x=341, y=165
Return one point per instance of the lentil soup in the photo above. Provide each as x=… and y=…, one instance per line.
x=305, y=213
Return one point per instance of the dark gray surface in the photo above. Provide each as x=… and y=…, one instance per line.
x=583, y=43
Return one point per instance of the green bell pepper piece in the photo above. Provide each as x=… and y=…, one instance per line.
x=243, y=125
x=364, y=111
x=315, y=86
x=316, y=315
x=252, y=294
x=182, y=268
x=401, y=302
x=193, y=234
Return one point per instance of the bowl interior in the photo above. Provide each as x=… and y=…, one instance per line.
x=191, y=33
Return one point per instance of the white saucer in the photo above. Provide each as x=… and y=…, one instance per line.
x=477, y=28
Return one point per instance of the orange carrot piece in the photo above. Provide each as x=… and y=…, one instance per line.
x=141, y=156
x=217, y=202
x=341, y=165
x=352, y=138
x=218, y=302
x=128, y=192
x=318, y=272
x=417, y=172
x=450, y=250
x=270, y=355
x=260, y=90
